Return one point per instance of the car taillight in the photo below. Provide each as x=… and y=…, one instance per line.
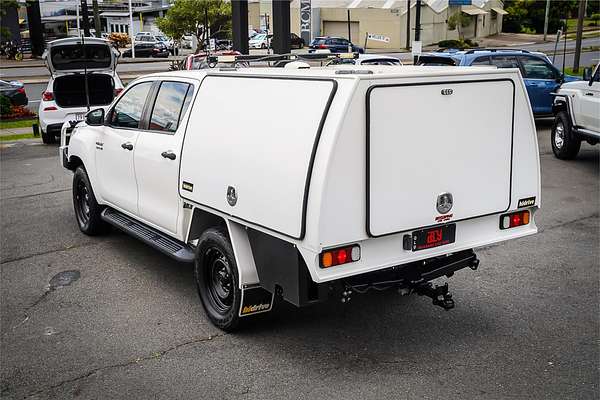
x=47, y=96
x=51, y=108
x=118, y=91
x=515, y=219
x=322, y=46
x=21, y=90
x=339, y=256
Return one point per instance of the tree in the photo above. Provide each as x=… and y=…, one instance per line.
x=528, y=15
x=187, y=17
x=457, y=21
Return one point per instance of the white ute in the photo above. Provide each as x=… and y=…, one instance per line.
x=369, y=177
x=576, y=109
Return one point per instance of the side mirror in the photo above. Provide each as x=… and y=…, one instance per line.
x=95, y=117
x=587, y=74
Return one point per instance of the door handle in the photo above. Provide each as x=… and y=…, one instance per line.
x=168, y=154
x=589, y=94
x=127, y=146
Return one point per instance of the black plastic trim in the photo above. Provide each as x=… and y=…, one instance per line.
x=368, y=158
x=184, y=253
x=312, y=156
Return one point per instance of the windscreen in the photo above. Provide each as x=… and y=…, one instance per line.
x=95, y=56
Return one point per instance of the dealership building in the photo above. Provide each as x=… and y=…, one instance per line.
x=383, y=23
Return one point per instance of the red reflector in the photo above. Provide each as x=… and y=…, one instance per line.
x=341, y=256
x=47, y=96
x=52, y=108
x=515, y=220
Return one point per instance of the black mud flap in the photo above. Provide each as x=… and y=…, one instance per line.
x=255, y=300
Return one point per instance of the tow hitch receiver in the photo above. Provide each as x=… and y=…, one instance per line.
x=440, y=294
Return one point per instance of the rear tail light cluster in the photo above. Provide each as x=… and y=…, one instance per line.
x=21, y=90
x=513, y=220
x=339, y=256
x=47, y=96
x=118, y=91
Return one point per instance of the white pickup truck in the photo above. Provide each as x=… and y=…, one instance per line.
x=576, y=110
x=343, y=180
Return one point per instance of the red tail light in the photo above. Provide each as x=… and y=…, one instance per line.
x=47, y=96
x=21, y=90
x=322, y=46
x=513, y=220
x=118, y=91
x=339, y=256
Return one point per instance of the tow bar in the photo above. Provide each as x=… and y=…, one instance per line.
x=440, y=294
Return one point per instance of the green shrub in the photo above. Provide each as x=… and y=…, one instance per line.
x=457, y=44
x=5, y=105
x=595, y=16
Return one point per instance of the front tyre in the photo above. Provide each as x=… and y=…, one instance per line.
x=565, y=144
x=217, y=279
x=87, y=210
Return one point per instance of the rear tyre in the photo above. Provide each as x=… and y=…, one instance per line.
x=217, y=279
x=87, y=209
x=48, y=138
x=565, y=144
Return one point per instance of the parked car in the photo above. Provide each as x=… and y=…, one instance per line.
x=367, y=59
x=260, y=41
x=343, y=202
x=65, y=98
x=199, y=61
x=576, y=116
x=540, y=76
x=186, y=41
x=333, y=44
x=152, y=37
x=15, y=91
x=148, y=50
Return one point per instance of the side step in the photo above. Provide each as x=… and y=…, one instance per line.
x=161, y=242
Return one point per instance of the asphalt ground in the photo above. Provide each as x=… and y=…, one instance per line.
x=526, y=324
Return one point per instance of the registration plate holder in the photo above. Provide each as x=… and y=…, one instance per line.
x=433, y=237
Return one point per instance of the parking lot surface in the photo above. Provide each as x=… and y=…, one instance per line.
x=109, y=317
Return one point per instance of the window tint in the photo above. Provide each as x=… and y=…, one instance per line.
x=505, y=61
x=170, y=104
x=596, y=75
x=128, y=111
x=481, y=61
x=535, y=68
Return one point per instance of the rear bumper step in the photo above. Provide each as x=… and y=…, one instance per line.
x=161, y=242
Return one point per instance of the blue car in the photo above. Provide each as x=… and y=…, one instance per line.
x=333, y=44
x=540, y=76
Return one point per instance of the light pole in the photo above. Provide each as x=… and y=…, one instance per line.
x=131, y=30
x=546, y=19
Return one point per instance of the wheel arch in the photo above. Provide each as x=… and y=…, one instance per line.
x=202, y=220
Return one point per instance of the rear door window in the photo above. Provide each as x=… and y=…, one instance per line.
x=170, y=104
x=536, y=68
x=77, y=56
x=505, y=61
x=127, y=113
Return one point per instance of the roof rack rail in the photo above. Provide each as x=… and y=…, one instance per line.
x=278, y=59
x=471, y=51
